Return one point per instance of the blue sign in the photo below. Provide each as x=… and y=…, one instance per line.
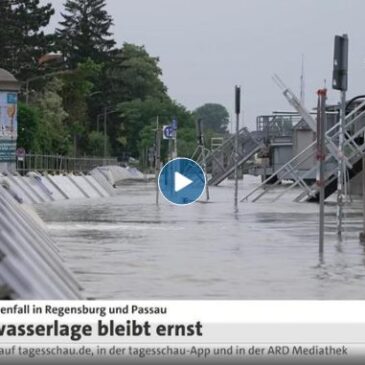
x=7, y=150
x=168, y=132
x=182, y=181
x=12, y=98
x=174, y=124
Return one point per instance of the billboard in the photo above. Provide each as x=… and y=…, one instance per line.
x=8, y=125
x=8, y=115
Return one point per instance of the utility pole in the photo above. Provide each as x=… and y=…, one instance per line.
x=174, y=126
x=157, y=157
x=105, y=139
x=362, y=234
x=321, y=157
x=201, y=145
x=340, y=72
x=27, y=92
x=302, y=84
x=238, y=111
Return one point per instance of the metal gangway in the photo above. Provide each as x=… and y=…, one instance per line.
x=224, y=156
x=354, y=147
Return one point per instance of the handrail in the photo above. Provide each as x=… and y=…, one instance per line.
x=60, y=163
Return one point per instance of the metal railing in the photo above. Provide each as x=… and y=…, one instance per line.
x=293, y=170
x=60, y=164
x=223, y=156
x=276, y=125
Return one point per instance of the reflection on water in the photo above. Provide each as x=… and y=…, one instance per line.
x=127, y=248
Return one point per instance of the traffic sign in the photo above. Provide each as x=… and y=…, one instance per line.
x=168, y=132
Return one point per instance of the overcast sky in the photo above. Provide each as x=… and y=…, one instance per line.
x=207, y=46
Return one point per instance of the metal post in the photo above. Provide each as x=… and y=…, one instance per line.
x=362, y=234
x=340, y=82
x=27, y=92
x=201, y=143
x=75, y=145
x=321, y=157
x=157, y=157
x=238, y=110
x=341, y=166
x=105, y=144
x=175, y=146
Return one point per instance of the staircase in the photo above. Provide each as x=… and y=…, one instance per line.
x=224, y=156
x=354, y=148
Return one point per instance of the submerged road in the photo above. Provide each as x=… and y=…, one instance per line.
x=125, y=247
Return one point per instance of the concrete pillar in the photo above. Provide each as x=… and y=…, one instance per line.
x=9, y=88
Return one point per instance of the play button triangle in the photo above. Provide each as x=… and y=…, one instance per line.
x=181, y=182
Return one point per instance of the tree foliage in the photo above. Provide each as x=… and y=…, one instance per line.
x=98, y=85
x=139, y=120
x=84, y=32
x=134, y=74
x=28, y=124
x=214, y=116
x=22, y=37
x=52, y=136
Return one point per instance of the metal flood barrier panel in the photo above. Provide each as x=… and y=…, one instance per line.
x=30, y=266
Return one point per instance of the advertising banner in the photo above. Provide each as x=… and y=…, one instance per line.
x=8, y=115
x=8, y=126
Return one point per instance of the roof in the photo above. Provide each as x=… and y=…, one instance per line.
x=8, y=82
x=6, y=76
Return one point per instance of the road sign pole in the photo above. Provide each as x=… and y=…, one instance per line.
x=341, y=168
x=157, y=158
x=238, y=110
x=321, y=157
x=201, y=146
x=339, y=82
x=362, y=234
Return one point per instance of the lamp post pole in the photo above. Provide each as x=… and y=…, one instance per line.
x=105, y=144
x=28, y=81
x=27, y=92
x=236, y=144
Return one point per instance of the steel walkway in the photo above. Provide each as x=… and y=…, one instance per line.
x=354, y=148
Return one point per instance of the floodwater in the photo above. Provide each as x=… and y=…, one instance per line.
x=125, y=247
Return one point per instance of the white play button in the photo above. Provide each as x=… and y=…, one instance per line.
x=181, y=182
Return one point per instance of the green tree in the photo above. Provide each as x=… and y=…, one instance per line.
x=28, y=124
x=77, y=87
x=52, y=135
x=133, y=74
x=96, y=144
x=22, y=36
x=139, y=119
x=214, y=116
x=85, y=31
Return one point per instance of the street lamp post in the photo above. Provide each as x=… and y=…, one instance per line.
x=104, y=114
x=105, y=118
x=56, y=73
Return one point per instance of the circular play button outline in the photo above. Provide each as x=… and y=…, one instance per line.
x=185, y=184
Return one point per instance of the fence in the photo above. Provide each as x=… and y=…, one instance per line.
x=60, y=164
